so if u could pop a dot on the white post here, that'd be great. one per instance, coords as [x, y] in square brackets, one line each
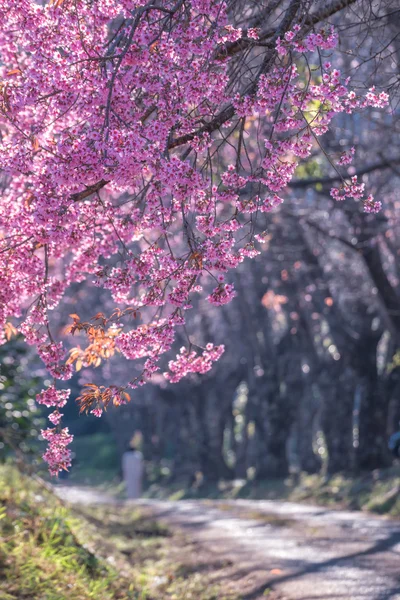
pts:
[132, 467]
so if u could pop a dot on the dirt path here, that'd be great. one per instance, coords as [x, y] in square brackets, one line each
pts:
[301, 552]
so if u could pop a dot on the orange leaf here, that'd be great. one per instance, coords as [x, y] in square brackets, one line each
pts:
[75, 317]
[35, 144]
[99, 315]
[10, 331]
[154, 47]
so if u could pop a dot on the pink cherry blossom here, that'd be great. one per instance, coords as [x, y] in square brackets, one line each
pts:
[53, 397]
[113, 175]
[57, 455]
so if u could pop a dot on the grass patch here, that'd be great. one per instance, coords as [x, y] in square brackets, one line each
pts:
[268, 518]
[377, 491]
[43, 551]
[49, 551]
[166, 564]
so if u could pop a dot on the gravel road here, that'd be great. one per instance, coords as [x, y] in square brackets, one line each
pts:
[302, 552]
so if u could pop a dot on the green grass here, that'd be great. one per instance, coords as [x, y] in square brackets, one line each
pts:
[166, 565]
[45, 552]
[378, 491]
[49, 551]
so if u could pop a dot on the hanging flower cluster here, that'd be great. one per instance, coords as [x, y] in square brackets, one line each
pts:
[112, 115]
[58, 456]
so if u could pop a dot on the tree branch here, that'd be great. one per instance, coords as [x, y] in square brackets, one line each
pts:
[91, 189]
[384, 164]
[232, 48]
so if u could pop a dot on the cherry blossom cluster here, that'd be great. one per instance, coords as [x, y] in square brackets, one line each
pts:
[53, 397]
[356, 191]
[347, 156]
[324, 40]
[191, 362]
[110, 115]
[58, 456]
[371, 205]
[222, 294]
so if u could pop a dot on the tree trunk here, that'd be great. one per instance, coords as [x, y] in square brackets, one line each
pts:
[394, 405]
[372, 452]
[337, 420]
[308, 460]
[273, 424]
[210, 415]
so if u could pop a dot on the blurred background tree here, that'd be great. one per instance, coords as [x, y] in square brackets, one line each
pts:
[20, 417]
[310, 380]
